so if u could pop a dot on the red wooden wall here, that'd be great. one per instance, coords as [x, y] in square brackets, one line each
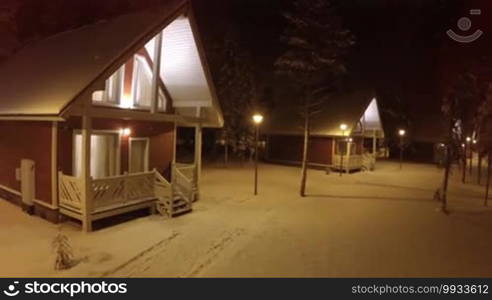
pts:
[29, 140]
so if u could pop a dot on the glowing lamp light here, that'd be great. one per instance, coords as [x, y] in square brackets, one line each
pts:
[402, 132]
[343, 127]
[475, 141]
[350, 140]
[126, 132]
[126, 101]
[468, 139]
[257, 119]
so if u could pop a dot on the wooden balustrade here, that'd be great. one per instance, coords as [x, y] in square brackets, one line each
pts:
[122, 189]
[71, 192]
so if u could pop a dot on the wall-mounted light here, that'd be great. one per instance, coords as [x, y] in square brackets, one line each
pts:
[125, 131]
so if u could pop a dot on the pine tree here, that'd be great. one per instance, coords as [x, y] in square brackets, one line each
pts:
[238, 92]
[63, 252]
[316, 45]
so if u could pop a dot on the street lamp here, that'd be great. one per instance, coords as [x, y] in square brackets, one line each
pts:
[343, 128]
[257, 119]
[402, 134]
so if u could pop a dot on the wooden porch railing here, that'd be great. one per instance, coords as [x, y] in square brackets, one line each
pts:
[122, 189]
[71, 192]
[184, 181]
[113, 193]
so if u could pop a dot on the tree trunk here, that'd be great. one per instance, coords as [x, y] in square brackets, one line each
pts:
[470, 165]
[479, 174]
[489, 161]
[447, 170]
[305, 150]
[226, 153]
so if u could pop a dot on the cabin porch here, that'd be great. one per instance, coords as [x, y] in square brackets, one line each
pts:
[95, 199]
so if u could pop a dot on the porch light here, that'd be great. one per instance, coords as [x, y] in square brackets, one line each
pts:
[258, 119]
[475, 141]
[402, 132]
[126, 132]
[468, 139]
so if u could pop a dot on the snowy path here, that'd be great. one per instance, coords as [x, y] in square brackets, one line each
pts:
[378, 224]
[367, 224]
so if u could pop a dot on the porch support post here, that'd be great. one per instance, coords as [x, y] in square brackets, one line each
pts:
[347, 169]
[374, 145]
[86, 173]
[198, 153]
[156, 70]
[54, 164]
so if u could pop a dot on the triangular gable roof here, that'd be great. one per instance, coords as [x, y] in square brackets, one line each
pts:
[45, 77]
[339, 108]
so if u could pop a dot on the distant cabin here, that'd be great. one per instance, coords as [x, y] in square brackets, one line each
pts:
[355, 148]
[88, 117]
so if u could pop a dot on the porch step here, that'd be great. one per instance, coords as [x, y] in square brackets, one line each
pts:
[181, 211]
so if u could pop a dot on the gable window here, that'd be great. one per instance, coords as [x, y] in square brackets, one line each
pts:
[113, 91]
[114, 87]
[142, 83]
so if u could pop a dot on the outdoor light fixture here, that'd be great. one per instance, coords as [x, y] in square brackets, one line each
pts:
[402, 132]
[475, 141]
[258, 119]
[126, 131]
[468, 139]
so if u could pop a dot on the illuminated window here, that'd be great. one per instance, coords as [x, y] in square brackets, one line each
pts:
[142, 83]
[114, 87]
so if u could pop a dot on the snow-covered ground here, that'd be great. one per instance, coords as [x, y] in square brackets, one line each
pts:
[382, 223]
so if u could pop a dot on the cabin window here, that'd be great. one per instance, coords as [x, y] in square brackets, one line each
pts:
[341, 148]
[142, 85]
[104, 155]
[114, 87]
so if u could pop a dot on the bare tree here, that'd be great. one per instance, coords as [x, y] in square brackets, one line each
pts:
[315, 43]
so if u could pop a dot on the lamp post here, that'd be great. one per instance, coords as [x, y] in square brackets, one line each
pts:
[343, 128]
[402, 134]
[257, 119]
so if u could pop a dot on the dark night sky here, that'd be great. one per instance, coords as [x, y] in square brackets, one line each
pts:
[402, 50]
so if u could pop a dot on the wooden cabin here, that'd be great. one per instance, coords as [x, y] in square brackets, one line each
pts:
[355, 148]
[88, 117]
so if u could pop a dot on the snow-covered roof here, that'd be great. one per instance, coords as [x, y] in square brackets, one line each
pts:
[340, 108]
[44, 77]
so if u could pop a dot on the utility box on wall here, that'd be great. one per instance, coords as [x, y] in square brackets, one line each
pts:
[28, 190]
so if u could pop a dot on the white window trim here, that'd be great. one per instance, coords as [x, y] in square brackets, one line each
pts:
[100, 132]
